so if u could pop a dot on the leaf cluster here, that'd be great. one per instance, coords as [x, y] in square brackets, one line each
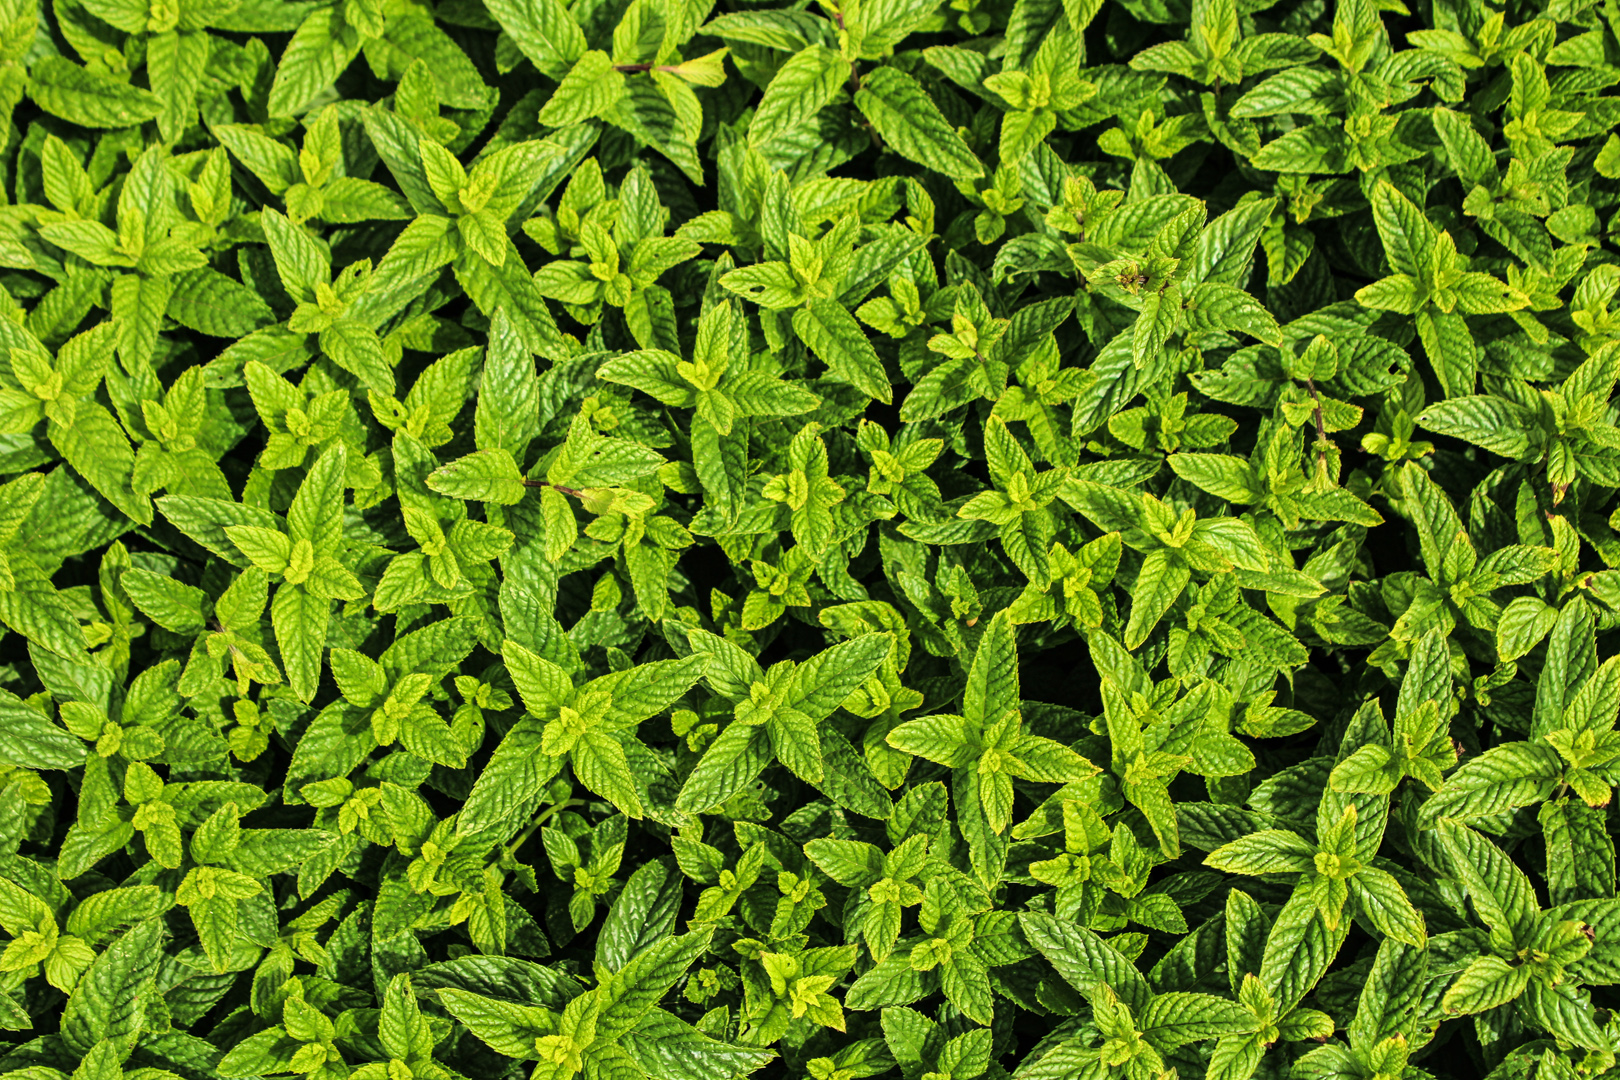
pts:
[922, 539]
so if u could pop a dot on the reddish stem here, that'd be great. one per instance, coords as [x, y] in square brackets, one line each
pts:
[575, 492]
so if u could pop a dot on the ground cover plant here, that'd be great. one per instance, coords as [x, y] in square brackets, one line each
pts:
[880, 538]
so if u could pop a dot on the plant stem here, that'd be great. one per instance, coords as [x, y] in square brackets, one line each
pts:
[540, 819]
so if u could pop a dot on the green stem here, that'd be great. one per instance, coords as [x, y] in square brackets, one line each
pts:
[545, 816]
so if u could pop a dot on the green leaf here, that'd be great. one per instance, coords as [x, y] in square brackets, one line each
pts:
[642, 915]
[100, 452]
[663, 1045]
[508, 407]
[484, 475]
[832, 334]
[1299, 949]
[1504, 777]
[321, 47]
[633, 991]
[29, 740]
[1501, 894]
[111, 998]
[801, 87]
[505, 1027]
[1496, 424]
[1270, 851]
[1177, 1018]
[88, 97]
[1485, 984]
[912, 126]
[545, 31]
[1084, 960]
[590, 89]
[730, 763]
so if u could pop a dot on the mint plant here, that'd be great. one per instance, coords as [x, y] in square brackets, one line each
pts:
[966, 540]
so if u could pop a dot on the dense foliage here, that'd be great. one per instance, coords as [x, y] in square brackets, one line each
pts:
[653, 540]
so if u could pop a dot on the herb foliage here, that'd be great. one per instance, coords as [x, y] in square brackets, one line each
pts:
[654, 540]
